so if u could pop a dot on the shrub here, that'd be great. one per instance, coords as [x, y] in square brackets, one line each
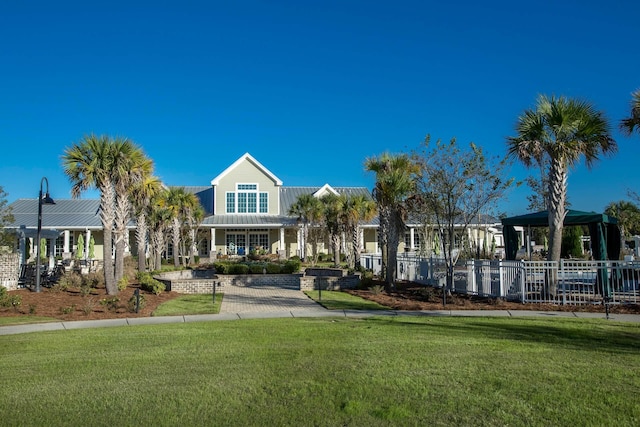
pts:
[237, 269]
[3, 293]
[149, 284]
[220, 267]
[60, 287]
[130, 267]
[427, 294]
[131, 304]
[376, 289]
[273, 268]
[291, 266]
[110, 303]
[68, 310]
[70, 280]
[32, 309]
[94, 280]
[256, 268]
[88, 306]
[123, 283]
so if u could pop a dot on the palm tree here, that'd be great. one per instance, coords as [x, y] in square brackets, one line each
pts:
[89, 164]
[632, 123]
[130, 167]
[193, 218]
[628, 216]
[357, 209]
[181, 204]
[160, 219]
[308, 210]
[141, 195]
[332, 208]
[562, 130]
[395, 181]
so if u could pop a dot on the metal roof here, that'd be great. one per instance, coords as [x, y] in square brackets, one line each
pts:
[66, 213]
[289, 195]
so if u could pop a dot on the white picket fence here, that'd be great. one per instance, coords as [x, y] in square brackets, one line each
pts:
[564, 282]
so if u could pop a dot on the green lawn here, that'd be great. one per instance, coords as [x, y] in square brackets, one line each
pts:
[17, 320]
[327, 372]
[190, 304]
[336, 300]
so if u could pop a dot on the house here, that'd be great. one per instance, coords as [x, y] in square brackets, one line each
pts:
[246, 207]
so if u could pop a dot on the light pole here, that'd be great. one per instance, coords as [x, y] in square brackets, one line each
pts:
[46, 200]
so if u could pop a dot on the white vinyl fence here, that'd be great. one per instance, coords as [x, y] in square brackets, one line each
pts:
[566, 282]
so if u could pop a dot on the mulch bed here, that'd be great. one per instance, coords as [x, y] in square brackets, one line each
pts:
[71, 305]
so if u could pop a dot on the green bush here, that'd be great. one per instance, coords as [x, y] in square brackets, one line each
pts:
[149, 284]
[70, 280]
[123, 283]
[131, 304]
[94, 280]
[237, 269]
[273, 268]
[256, 268]
[112, 303]
[220, 267]
[291, 266]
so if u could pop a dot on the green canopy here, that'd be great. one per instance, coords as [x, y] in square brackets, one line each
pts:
[604, 231]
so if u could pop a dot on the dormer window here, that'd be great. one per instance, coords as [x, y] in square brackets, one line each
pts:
[247, 199]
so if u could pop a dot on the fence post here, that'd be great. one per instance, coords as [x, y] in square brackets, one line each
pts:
[562, 282]
[523, 273]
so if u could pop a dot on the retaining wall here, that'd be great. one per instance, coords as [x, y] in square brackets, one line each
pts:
[9, 271]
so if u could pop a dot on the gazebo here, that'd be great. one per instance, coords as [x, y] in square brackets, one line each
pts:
[603, 229]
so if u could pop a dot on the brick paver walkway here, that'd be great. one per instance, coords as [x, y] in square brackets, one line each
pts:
[260, 299]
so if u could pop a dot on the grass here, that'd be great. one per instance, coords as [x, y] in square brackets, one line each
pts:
[19, 320]
[190, 304]
[327, 372]
[335, 300]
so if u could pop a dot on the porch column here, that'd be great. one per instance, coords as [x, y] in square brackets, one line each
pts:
[281, 242]
[86, 243]
[412, 238]
[212, 246]
[361, 240]
[65, 246]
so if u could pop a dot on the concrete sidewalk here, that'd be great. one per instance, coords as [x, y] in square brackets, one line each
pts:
[265, 302]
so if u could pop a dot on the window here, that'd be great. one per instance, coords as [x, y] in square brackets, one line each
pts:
[264, 202]
[259, 241]
[59, 246]
[231, 202]
[247, 199]
[236, 244]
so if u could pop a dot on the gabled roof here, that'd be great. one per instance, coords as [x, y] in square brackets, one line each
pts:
[289, 195]
[324, 190]
[248, 157]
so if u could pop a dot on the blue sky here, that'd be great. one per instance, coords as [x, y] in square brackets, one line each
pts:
[309, 88]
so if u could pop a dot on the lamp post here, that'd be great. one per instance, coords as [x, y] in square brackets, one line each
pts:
[46, 200]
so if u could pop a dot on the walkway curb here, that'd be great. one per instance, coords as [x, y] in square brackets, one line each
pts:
[299, 314]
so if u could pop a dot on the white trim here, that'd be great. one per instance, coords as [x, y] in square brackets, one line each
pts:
[215, 181]
[325, 189]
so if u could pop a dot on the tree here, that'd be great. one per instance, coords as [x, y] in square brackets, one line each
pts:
[563, 131]
[89, 164]
[111, 166]
[181, 205]
[160, 219]
[141, 195]
[130, 167]
[395, 182]
[7, 239]
[455, 186]
[632, 123]
[332, 217]
[628, 216]
[356, 209]
[572, 242]
[308, 210]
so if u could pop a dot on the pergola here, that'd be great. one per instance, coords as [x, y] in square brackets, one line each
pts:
[603, 229]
